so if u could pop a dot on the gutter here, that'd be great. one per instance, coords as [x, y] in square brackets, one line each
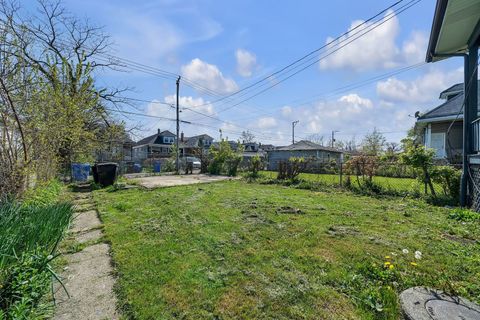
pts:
[440, 119]
[440, 9]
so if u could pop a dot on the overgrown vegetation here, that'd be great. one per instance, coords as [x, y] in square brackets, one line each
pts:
[52, 112]
[254, 251]
[224, 160]
[291, 169]
[30, 233]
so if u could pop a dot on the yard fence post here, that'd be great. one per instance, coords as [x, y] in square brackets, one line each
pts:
[340, 172]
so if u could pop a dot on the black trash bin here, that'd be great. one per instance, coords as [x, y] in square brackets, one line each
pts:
[105, 174]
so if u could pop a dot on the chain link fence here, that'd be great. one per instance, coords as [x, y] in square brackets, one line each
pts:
[391, 178]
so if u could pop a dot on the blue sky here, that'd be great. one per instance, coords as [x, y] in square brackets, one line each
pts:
[227, 45]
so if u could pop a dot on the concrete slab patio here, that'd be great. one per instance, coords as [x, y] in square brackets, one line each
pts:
[172, 180]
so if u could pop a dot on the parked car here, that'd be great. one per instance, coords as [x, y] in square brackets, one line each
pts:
[196, 162]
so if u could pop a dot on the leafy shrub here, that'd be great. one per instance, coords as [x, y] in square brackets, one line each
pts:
[43, 194]
[291, 169]
[224, 160]
[464, 215]
[24, 283]
[254, 166]
[449, 179]
[168, 166]
[363, 166]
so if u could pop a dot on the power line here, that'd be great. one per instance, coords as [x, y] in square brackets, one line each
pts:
[317, 60]
[268, 77]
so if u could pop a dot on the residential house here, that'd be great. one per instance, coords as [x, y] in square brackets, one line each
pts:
[191, 145]
[442, 127]
[456, 33]
[159, 145]
[315, 153]
[250, 150]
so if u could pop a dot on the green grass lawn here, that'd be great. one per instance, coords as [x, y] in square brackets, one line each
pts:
[407, 185]
[234, 250]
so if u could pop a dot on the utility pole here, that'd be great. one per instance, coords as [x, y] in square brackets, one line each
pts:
[177, 163]
[294, 123]
[333, 138]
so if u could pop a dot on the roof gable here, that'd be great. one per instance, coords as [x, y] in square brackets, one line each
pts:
[451, 108]
[153, 138]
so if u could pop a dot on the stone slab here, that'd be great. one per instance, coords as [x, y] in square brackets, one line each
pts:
[420, 303]
[173, 180]
[89, 282]
[85, 220]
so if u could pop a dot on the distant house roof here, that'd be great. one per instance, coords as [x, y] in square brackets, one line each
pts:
[194, 141]
[448, 110]
[151, 139]
[306, 145]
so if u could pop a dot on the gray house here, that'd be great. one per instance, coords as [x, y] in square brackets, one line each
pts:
[442, 126]
[313, 152]
[190, 145]
[158, 145]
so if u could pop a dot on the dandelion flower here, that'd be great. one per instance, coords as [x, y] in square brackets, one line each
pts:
[391, 267]
[418, 255]
[414, 264]
[405, 251]
[387, 257]
[387, 263]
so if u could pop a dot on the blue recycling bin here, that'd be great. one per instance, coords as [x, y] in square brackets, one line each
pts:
[157, 166]
[80, 172]
[137, 168]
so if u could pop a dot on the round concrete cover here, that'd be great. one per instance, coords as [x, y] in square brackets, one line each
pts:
[427, 304]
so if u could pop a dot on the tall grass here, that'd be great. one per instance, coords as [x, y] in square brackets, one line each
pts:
[30, 232]
[25, 228]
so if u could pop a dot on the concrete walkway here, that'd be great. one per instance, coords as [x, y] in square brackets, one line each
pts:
[89, 275]
[173, 180]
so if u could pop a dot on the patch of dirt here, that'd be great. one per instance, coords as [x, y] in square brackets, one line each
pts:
[289, 210]
[342, 231]
[459, 239]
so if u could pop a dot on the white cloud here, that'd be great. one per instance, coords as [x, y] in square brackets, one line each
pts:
[208, 76]
[246, 62]
[266, 122]
[286, 111]
[414, 48]
[197, 104]
[425, 88]
[375, 49]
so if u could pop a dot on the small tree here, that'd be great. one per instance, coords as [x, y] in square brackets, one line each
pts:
[373, 143]
[291, 169]
[255, 166]
[421, 158]
[224, 160]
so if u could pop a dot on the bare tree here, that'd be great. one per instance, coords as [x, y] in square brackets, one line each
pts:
[316, 138]
[247, 136]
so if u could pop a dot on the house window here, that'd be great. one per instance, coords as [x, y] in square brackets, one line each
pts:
[437, 142]
[168, 139]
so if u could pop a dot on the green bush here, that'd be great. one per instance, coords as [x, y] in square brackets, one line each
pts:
[224, 160]
[464, 215]
[291, 169]
[449, 179]
[254, 166]
[43, 194]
